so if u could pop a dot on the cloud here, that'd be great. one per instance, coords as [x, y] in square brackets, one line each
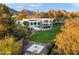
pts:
[20, 7]
[75, 4]
[15, 6]
[71, 10]
[35, 5]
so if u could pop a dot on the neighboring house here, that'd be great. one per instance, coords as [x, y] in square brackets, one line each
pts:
[38, 23]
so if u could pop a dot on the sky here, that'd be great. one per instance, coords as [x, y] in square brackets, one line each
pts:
[71, 7]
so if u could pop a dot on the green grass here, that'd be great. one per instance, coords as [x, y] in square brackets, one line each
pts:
[45, 36]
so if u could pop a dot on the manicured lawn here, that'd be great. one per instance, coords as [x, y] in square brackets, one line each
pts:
[46, 36]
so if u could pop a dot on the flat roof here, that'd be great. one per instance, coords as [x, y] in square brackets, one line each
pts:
[39, 19]
[35, 47]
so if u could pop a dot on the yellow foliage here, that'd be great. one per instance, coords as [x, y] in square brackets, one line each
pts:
[22, 14]
[68, 40]
[2, 27]
[9, 46]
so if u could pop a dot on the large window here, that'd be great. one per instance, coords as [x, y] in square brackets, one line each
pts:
[38, 23]
[31, 23]
[34, 23]
[46, 21]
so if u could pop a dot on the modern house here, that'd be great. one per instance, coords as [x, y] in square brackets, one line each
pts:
[38, 23]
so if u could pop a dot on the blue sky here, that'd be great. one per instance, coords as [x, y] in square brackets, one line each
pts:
[45, 6]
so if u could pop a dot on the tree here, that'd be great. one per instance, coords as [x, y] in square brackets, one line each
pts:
[39, 15]
[67, 42]
[75, 15]
[9, 46]
[58, 14]
[51, 14]
[9, 27]
[26, 23]
[22, 14]
[4, 15]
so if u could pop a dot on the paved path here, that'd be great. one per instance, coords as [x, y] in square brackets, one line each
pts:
[33, 32]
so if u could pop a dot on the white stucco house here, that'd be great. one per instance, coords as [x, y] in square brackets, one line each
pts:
[38, 23]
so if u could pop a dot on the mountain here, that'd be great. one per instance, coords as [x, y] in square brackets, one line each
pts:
[28, 12]
[12, 11]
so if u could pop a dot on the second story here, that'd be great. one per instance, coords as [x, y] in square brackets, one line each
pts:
[37, 21]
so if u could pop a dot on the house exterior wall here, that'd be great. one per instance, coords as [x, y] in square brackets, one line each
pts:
[38, 22]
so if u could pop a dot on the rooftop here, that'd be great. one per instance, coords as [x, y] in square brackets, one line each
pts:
[35, 47]
[40, 19]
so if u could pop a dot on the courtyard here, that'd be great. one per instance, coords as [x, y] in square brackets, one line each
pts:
[45, 36]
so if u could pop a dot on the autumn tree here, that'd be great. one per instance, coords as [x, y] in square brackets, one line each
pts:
[39, 14]
[8, 46]
[22, 14]
[67, 41]
[8, 27]
[75, 15]
[4, 15]
[58, 14]
[51, 14]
